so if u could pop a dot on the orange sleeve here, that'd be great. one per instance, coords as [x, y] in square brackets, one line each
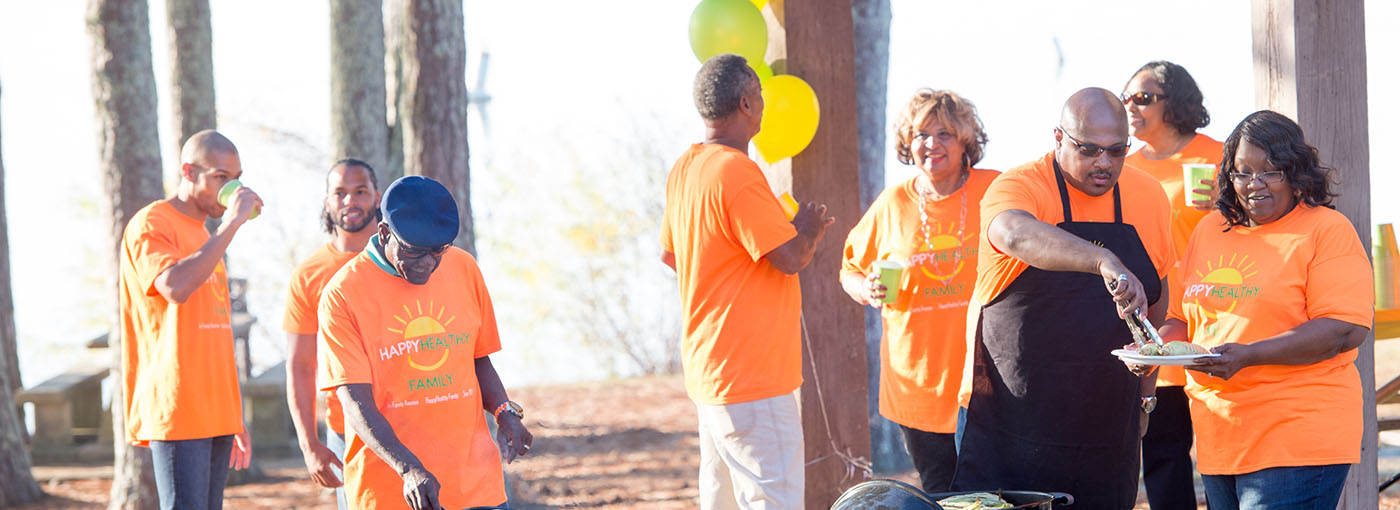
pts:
[666, 242]
[489, 339]
[863, 242]
[1010, 191]
[300, 315]
[152, 251]
[1339, 284]
[1161, 247]
[343, 359]
[756, 218]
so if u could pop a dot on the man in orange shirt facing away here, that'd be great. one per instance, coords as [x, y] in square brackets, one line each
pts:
[736, 258]
[406, 328]
[1071, 243]
[351, 207]
[180, 381]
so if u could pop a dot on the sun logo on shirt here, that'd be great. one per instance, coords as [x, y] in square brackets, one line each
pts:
[944, 254]
[1225, 279]
[219, 279]
[423, 324]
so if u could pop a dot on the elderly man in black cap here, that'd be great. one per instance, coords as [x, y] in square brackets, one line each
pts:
[406, 329]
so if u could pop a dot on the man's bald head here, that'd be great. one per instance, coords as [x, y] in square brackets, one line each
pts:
[208, 160]
[1092, 140]
[1094, 110]
[203, 145]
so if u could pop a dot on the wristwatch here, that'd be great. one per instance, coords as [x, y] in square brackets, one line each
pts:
[509, 406]
[1148, 404]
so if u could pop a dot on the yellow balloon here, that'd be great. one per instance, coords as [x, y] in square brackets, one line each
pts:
[790, 117]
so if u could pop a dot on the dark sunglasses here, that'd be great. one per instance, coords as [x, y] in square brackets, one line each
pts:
[1092, 150]
[1142, 98]
[408, 251]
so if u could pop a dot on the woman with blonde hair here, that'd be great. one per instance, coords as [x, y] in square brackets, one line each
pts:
[929, 224]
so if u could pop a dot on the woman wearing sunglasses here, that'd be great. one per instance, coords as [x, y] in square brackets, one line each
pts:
[929, 223]
[1277, 283]
[1165, 109]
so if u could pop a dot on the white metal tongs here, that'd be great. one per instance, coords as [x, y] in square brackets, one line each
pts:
[1142, 329]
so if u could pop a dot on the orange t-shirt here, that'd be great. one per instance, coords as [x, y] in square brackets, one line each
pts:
[1031, 188]
[303, 294]
[379, 329]
[178, 368]
[923, 350]
[1201, 149]
[1252, 283]
[741, 339]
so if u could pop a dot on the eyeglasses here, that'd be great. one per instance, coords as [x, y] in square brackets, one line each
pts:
[1141, 98]
[408, 251]
[942, 137]
[1245, 178]
[1092, 150]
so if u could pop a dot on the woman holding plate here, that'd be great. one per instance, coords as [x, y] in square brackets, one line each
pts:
[1277, 283]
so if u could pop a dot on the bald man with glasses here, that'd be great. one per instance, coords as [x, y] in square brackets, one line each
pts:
[1070, 244]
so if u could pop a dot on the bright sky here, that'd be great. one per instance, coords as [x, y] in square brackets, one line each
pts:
[566, 78]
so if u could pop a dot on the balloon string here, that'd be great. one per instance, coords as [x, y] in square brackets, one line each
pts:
[855, 465]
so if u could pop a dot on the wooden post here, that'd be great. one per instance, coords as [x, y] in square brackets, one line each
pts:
[818, 39]
[1310, 64]
[871, 21]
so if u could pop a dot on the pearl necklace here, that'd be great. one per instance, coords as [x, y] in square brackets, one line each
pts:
[925, 230]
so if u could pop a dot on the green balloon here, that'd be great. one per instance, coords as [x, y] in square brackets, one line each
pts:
[728, 26]
[761, 69]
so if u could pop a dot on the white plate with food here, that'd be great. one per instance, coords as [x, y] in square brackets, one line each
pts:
[1173, 353]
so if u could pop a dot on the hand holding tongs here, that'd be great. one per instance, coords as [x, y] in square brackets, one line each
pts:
[1142, 329]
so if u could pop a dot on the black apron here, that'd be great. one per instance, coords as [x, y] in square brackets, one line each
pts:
[1051, 409]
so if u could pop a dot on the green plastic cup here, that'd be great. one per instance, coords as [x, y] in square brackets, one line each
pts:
[226, 196]
[891, 273]
[1191, 175]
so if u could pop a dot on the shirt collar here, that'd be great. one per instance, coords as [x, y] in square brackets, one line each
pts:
[376, 253]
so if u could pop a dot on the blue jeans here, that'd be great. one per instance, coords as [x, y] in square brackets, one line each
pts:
[1292, 488]
[191, 473]
[336, 443]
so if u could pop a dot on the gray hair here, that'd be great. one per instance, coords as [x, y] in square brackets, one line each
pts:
[719, 85]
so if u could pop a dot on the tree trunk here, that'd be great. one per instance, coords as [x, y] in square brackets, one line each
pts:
[435, 89]
[191, 75]
[191, 69]
[819, 44]
[395, 102]
[17, 485]
[124, 97]
[871, 24]
[9, 341]
[358, 125]
[1310, 64]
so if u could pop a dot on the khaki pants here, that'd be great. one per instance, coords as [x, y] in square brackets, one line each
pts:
[751, 455]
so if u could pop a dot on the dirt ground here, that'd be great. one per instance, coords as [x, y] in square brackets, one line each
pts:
[618, 445]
